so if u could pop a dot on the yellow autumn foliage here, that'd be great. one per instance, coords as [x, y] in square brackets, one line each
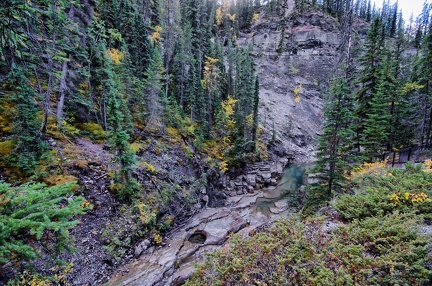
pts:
[376, 168]
[228, 107]
[136, 147]
[297, 90]
[158, 238]
[155, 37]
[427, 166]
[410, 86]
[211, 72]
[255, 18]
[149, 167]
[407, 198]
[115, 55]
[218, 16]
[146, 215]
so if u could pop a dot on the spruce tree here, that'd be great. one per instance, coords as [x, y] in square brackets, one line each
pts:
[371, 62]
[30, 146]
[36, 212]
[119, 124]
[153, 95]
[334, 150]
[424, 77]
[376, 129]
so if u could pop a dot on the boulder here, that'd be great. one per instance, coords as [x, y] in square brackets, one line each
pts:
[205, 198]
[250, 189]
[251, 179]
[141, 247]
[266, 177]
[279, 207]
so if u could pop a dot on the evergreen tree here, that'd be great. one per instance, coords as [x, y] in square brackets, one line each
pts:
[153, 92]
[119, 124]
[30, 146]
[424, 76]
[334, 150]
[376, 129]
[371, 62]
[35, 211]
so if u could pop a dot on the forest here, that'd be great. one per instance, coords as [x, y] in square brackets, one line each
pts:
[143, 81]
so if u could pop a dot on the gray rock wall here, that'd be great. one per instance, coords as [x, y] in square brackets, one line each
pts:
[312, 51]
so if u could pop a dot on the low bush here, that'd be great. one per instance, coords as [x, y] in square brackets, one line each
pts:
[386, 190]
[385, 250]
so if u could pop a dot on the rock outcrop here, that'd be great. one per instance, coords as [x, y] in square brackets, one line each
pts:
[295, 57]
[256, 176]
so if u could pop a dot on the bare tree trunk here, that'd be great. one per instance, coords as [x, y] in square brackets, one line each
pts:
[63, 88]
[422, 126]
[47, 96]
[423, 122]
[63, 83]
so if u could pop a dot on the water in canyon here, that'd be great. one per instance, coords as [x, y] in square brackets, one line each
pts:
[209, 229]
[287, 194]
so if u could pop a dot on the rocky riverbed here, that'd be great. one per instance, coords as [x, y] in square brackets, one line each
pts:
[173, 261]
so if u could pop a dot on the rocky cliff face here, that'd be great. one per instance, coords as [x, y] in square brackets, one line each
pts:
[295, 56]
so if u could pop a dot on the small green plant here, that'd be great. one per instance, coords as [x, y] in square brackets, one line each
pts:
[36, 212]
[293, 70]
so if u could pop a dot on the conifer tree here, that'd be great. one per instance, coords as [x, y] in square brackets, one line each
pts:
[424, 77]
[334, 150]
[370, 72]
[376, 129]
[119, 124]
[35, 211]
[30, 146]
[153, 92]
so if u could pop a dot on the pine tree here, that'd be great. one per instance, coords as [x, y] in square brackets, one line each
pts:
[255, 114]
[35, 211]
[30, 146]
[334, 150]
[376, 129]
[424, 77]
[153, 92]
[119, 124]
[370, 72]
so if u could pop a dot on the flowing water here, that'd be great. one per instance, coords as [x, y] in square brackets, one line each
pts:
[286, 195]
[209, 229]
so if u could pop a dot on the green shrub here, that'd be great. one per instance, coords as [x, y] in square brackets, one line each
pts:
[384, 192]
[385, 250]
[94, 130]
[36, 212]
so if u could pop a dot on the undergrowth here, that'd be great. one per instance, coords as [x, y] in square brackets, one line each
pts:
[384, 250]
[377, 242]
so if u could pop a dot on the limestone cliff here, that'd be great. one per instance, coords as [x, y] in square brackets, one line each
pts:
[295, 56]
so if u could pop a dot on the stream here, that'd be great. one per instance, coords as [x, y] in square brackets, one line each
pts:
[208, 230]
[285, 193]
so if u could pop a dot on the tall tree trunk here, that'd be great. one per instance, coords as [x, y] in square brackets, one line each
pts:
[428, 132]
[63, 88]
[47, 99]
[423, 124]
